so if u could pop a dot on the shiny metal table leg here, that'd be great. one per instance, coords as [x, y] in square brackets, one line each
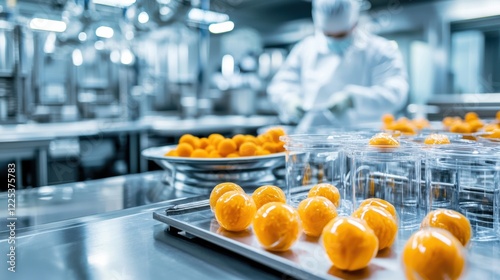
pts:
[41, 163]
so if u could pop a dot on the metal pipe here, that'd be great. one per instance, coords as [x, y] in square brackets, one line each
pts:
[203, 104]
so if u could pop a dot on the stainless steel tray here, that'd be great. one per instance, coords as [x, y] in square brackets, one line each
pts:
[307, 259]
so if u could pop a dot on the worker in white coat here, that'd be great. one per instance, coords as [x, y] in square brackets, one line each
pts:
[356, 77]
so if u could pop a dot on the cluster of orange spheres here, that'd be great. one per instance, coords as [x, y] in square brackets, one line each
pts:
[404, 125]
[350, 242]
[436, 251]
[217, 146]
[471, 123]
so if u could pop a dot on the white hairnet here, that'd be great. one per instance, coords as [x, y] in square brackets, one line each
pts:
[335, 16]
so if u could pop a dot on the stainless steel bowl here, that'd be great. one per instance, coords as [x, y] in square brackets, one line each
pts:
[200, 175]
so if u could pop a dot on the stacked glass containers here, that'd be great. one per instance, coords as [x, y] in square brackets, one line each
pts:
[391, 173]
[465, 178]
[315, 159]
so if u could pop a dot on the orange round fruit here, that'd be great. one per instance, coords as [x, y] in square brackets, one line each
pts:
[172, 153]
[275, 133]
[387, 118]
[214, 154]
[184, 149]
[404, 127]
[471, 116]
[239, 139]
[266, 194]
[380, 203]
[326, 190]
[383, 139]
[247, 149]
[199, 153]
[461, 128]
[191, 140]
[436, 139]
[433, 253]
[204, 143]
[215, 138]
[349, 243]
[221, 189]
[315, 212]
[381, 222]
[450, 220]
[276, 226]
[234, 211]
[262, 152]
[226, 147]
[498, 115]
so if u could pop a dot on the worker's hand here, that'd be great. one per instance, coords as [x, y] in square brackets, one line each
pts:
[339, 102]
[292, 111]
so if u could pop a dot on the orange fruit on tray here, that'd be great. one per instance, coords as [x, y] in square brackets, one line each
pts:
[461, 127]
[184, 149]
[452, 221]
[276, 226]
[234, 211]
[498, 115]
[226, 147]
[199, 153]
[433, 253]
[191, 140]
[248, 149]
[380, 203]
[388, 118]
[349, 243]
[315, 212]
[381, 222]
[436, 139]
[471, 116]
[383, 139]
[221, 189]
[266, 194]
[326, 190]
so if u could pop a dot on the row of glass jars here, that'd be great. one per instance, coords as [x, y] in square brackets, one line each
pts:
[414, 177]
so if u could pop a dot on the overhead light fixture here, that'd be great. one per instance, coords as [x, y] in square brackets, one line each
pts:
[127, 57]
[47, 25]
[143, 17]
[115, 3]
[221, 27]
[207, 17]
[77, 57]
[82, 36]
[104, 32]
[50, 43]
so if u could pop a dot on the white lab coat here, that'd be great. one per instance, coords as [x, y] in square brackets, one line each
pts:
[371, 71]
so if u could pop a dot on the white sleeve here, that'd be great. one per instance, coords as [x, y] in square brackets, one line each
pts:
[389, 90]
[285, 87]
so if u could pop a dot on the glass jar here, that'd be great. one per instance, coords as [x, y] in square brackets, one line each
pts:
[316, 159]
[389, 173]
[465, 178]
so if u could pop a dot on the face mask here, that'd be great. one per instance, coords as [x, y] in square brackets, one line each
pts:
[339, 46]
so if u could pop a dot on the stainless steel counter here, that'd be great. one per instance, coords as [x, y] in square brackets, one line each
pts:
[48, 204]
[125, 244]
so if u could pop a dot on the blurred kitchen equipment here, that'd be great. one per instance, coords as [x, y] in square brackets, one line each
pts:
[15, 61]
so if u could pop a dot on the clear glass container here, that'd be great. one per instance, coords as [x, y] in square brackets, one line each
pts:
[315, 159]
[465, 178]
[391, 173]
